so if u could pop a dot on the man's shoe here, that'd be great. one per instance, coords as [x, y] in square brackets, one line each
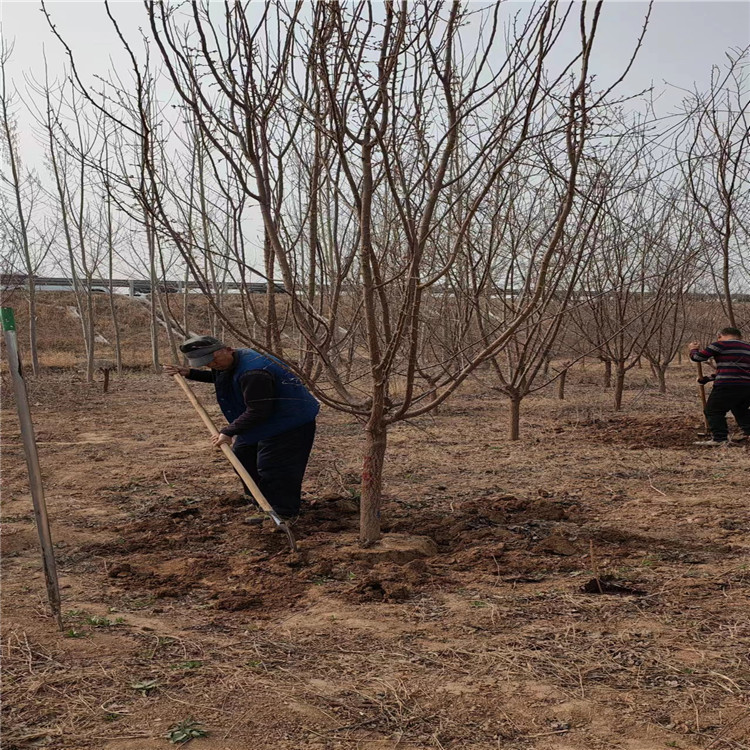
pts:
[708, 443]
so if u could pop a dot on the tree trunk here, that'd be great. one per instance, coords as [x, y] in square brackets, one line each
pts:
[185, 310]
[111, 267]
[11, 143]
[725, 271]
[273, 334]
[619, 385]
[32, 327]
[372, 480]
[112, 303]
[166, 315]
[515, 417]
[91, 332]
[153, 285]
[607, 373]
[350, 358]
[116, 327]
[661, 374]
[561, 385]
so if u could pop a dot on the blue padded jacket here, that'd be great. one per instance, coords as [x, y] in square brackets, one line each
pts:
[294, 405]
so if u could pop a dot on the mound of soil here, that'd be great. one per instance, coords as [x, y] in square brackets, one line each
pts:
[486, 520]
[643, 432]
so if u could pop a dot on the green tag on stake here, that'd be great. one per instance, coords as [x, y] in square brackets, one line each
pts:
[9, 320]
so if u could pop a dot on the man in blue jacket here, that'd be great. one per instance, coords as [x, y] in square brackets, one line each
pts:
[271, 416]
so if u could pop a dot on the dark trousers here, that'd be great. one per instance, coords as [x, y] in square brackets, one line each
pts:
[277, 466]
[725, 398]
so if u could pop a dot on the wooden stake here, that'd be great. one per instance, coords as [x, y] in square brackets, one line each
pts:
[32, 462]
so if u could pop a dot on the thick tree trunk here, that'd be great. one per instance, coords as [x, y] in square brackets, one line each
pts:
[372, 481]
[619, 385]
[607, 373]
[375, 430]
[661, 375]
[515, 418]
[561, 385]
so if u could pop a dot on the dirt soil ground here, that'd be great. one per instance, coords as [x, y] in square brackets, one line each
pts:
[588, 587]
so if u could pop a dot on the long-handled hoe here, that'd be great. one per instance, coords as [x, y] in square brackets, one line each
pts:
[702, 388]
[238, 467]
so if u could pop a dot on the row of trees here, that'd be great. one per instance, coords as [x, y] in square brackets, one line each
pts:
[437, 187]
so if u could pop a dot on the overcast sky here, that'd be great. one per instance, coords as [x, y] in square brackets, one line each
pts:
[683, 42]
[684, 39]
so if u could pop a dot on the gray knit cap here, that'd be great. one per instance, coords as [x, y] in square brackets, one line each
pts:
[200, 349]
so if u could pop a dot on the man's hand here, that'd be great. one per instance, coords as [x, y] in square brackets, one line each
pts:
[707, 379]
[694, 345]
[221, 439]
[175, 370]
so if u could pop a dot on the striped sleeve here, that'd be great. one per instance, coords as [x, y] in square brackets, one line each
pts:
[732, 358]
[701, 355]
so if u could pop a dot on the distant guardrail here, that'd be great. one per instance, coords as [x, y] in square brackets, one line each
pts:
[9, 281]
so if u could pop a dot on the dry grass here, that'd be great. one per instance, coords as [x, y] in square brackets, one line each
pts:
[493, 643]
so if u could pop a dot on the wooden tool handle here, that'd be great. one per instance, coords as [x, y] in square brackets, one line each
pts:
[226, 450]
[702, 385]
[702, 389]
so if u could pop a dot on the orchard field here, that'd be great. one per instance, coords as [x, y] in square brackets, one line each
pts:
[482, 235]
[585, 587]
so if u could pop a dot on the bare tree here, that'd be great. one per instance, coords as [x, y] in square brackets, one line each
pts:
[27, 241]
[632, 287]
[111, 231]
[717, 166]
[380, 109]
[71, 142]
[520, 226]
[676, 247]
